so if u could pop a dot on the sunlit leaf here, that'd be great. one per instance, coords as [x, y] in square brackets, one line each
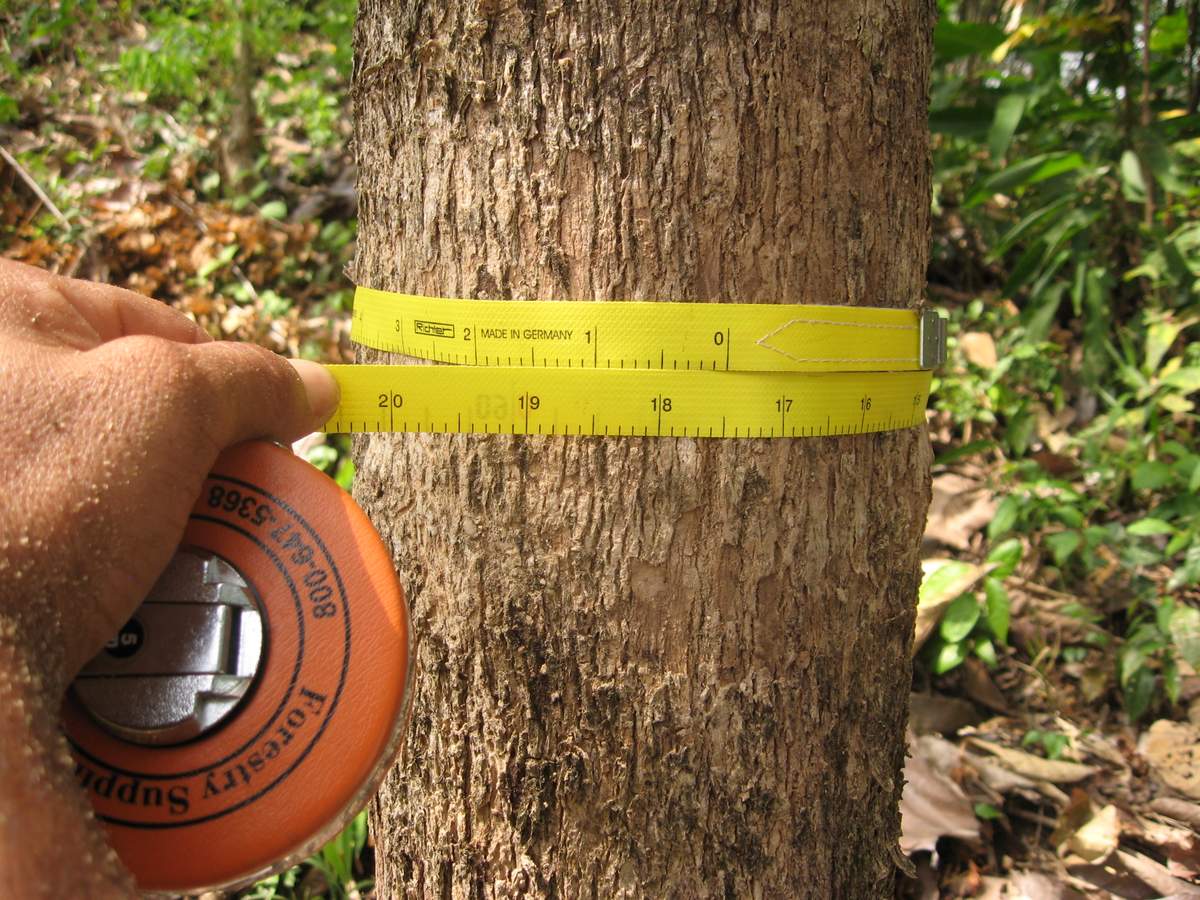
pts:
[997, 608]
[1149, 526]
[1132, 182]
[1004, 518]
[948, 657]
[1028, 171]
[1185, 632]
[959, 618]
[1006, 556]
[986, 651]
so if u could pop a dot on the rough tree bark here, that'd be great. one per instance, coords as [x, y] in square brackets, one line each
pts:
[647, 668]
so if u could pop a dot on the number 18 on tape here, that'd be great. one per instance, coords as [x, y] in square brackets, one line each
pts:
[255, 700]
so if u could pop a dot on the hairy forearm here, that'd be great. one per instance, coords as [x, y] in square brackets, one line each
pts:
[50, 843]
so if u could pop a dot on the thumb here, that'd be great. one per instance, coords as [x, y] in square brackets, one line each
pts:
[251, 392]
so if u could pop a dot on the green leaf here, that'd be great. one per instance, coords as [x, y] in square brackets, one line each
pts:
[1006, 556]
[1169, 34]
[1133, 659]
[1172, 682]
[275, 209]
[1054, 744]
[1160, 335]
[1151, 475]
[1062, 544]
[959, 618]
[1189, 572]
[986, 811]
[1005, 517]
[222, 259]
[1149, 526]
[1185, 632]
[1186, 379]
[1138, 692]
[963, 451]
[997, 604]
[949, 575]
[1033, 220]
[1161, 161]
[1133, 185]
[1069, 516]
[1177, 543]
[1022, 425]
[948, 657]
[1008, 116]
[1162, 616]
[1029, 171]
[953, 40]
[972, 122]
[986, 651]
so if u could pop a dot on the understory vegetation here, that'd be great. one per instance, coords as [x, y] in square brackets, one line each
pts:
[198, 151]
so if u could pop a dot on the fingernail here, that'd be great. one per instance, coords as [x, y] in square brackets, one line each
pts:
[321, 387]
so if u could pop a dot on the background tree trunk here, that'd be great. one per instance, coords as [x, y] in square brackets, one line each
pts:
[647, 668]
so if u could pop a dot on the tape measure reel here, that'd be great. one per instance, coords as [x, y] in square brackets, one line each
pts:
[255, 700]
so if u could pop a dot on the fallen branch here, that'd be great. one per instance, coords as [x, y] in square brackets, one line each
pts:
[35, 187]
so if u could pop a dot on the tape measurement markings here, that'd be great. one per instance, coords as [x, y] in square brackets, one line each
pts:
[618, 403]
[751, 337]
[660, 369]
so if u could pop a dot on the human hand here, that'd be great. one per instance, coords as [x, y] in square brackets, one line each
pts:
[113, 409]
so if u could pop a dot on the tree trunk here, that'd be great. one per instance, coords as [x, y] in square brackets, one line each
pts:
[647, 667]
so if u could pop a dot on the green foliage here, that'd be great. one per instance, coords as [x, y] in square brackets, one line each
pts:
[975, 622]
[1052, 743]
[337, 865]
[1161, 634]
[332, 456]
[1070, 170]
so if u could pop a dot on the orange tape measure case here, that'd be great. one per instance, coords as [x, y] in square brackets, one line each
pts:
[292, 610]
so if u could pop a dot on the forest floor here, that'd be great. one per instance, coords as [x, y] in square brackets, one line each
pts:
[1028, 775]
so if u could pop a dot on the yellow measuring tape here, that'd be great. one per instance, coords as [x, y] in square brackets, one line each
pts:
[636, 368]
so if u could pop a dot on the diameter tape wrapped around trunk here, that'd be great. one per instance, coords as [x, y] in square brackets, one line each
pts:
[636, 368]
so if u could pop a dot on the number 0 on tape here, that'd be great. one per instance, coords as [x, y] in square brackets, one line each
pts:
[255, 700]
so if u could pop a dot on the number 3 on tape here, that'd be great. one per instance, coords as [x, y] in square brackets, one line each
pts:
[255, 700]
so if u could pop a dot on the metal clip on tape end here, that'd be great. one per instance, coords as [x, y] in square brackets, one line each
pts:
[933, 339]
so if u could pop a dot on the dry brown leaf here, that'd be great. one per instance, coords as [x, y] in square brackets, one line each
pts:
[936, 713]
[1112, 881]
[1056, 771]
[1037, 886]
[1099, 836]
[932, 806]
[979, 348]
[980, 687]
[1173, 751]
[1180, 810]
[1156, 875]
[959, 508]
